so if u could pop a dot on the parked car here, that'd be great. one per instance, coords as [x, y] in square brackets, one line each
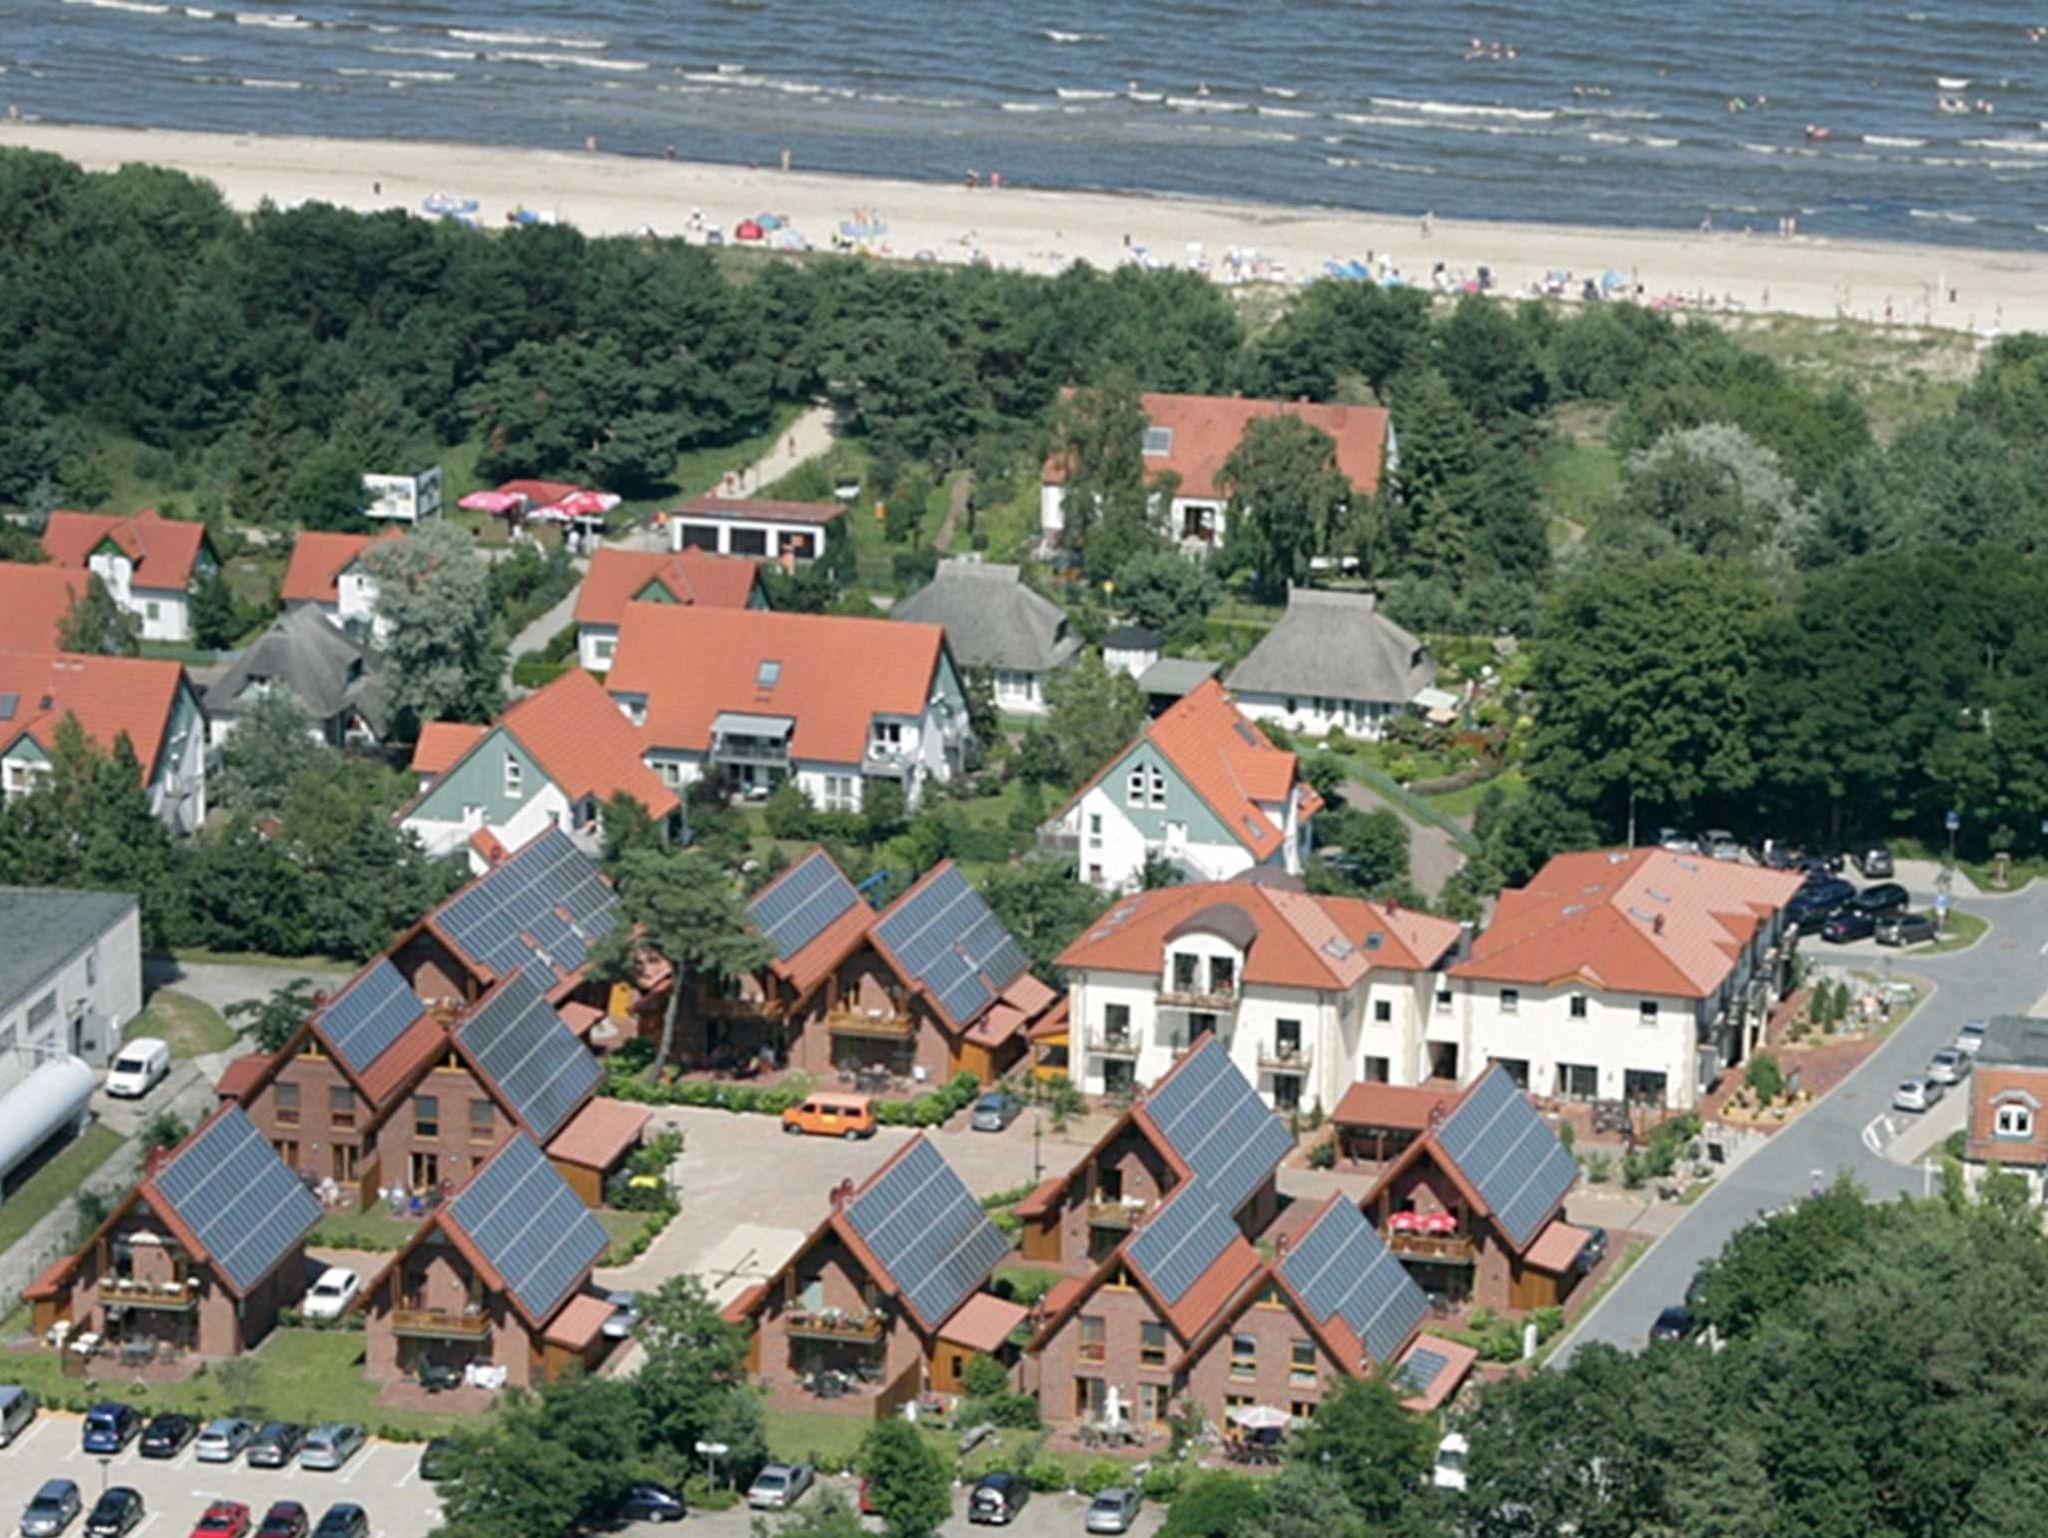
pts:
[109, 1427]
[1846, 924]
[436, 1459]
[1971, 1037]
[223, 1519]
[275, 1445]
[343, 1520]
[1675, 1323]
[1449, 1470]
[331, 1445]
[1885, 897]
[144, 1063]
[166, 1435]
[1916, 1095]
[1808, 907]
[997, 1498]
[1720, 844]
[1677, 840]
[1594, 1250]
[650, 1502]
[832, 1115]
[51, 1509]
[1907, 928]
[1948, 1066]
[223, 1440]
[624, 1316]
[1777, 854]
[115, 1514]
[1874, 860]
[1114, 1510]
[996, 1110]
[780, 1486]
[285, 1519]
[17, 1412]
[331, 1295]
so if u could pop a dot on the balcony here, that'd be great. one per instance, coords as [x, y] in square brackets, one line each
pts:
[720, 1008]
[180, 1297]
[1442, 1249]
[1117, 1215]
[1176, 996]
[888, 1026]
[750, 750]
[833, 1324]
[1053, 841]
[1116, 1044]
[1284, 1057]
[888, 758]
[440, 1324]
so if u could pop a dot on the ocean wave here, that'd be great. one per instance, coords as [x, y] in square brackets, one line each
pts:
[427, 75]
[581, 61]
[1293, 112]
[1656, 143]
[1953, 82]
[1206, 104]
[1280, 90]
[1148, 97]
[524, 39]
[1073, 37]
[1943, 217]
[1628, 114]
[1403, 168]
[137, 6]
[197, 13]
[1600, 138]
[258, 83]
[1029, 106]
[2024, 146]
[400, 51]
[1077, 93]
[1465, 109]
[1894, 142]
[283, 21]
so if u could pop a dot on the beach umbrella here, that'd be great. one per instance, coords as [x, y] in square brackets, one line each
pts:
[492, 501]
[1261, 1417]
[584, 504]
[1611, 280]
[768, 221]
[747, 230]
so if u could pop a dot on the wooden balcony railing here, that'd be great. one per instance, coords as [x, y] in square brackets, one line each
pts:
[853, 1022]
[440, 1323]
[721, 1008]
[833, 1324]
[1115, 1214]
[171, 1297]
[1453, 1249]
[1176, 997]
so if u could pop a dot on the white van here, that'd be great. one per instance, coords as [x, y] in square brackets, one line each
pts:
[17, 1412]
[142, 1065]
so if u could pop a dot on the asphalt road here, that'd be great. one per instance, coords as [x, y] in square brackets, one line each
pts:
[2004, 973]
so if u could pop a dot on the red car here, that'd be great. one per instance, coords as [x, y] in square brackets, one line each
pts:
[285, 1519]
[223, 1519]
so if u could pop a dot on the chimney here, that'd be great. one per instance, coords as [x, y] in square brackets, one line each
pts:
[1281, 1244]
[319, 997]
[841, 1194]
[1656, 923]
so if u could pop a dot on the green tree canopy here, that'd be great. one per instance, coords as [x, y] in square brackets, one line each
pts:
[1096, 711]
[443, 647]
[97, 625]
[1286, 499]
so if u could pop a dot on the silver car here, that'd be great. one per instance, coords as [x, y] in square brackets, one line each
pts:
[1114, 1510]
[54, 1508]
[331, 1445]
[1948, 1065]
[780, 1486]
[223, 1440]
[1916, 1095]
[1970, 1039]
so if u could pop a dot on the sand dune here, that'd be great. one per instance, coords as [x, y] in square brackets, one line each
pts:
[1044, 231]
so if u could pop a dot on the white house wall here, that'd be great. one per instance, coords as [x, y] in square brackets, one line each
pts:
[1611, 1037]
[1312, 716]
[85, 1004]
[595, 647]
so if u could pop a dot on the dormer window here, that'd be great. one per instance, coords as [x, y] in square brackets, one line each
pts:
[1158, 442]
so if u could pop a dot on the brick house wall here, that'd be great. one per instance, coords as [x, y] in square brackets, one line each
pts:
[862, 983]
[215, 1326]
[1217, 1380]
[434, 971]
[304, 1120]
[468, 1126]
[830, 1276]
[1069, 1359]
[2023, 1094]
[1130, 1166]
[1429, 1189]
[435, 1276]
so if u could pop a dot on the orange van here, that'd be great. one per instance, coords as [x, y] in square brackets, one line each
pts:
[825, 1115]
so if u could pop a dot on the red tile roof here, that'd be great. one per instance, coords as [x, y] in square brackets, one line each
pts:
[836, 673]
[1227, 761]
[1207, 428]
[1457, 1361]
[983, 1322]
[760, 509]
[318, 560]
[109, 695]
[35, 601]
[1299, 941]
[241, 1075]
[418, 1047]
[577, 1322]
[598, 1134]
[580, 740]
[1404, 1107]
[1632, 921]
[617, 577]
[442, 744]
[164, 550]
[1557, 1247]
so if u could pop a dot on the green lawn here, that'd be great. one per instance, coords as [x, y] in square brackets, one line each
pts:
[376, 1229]
[201, 955]
[1463, 803]
[700, 470]
[60, 1176]
[183, 1023]
[814, 1436]
[298, 1375]
[1963, 931]
[1578, 476]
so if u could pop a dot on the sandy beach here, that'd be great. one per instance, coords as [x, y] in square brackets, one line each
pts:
[1976, 290]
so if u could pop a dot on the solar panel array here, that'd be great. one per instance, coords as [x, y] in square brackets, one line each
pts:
[1218, 1125]
[928, 1232]
[369, 1015]
[530, 1226]
[1421, 1369]
[949, 939]
[798, 908]
[241, 1201]
[515, 915]
[516, 1037]
[1182, 1240]
[1512, 1158]
[1342, 1270]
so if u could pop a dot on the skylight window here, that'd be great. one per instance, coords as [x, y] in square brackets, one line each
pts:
[768, 674]
[1158, 442]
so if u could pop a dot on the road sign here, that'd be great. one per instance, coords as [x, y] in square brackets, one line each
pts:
[1941, 902]
[1954, 820]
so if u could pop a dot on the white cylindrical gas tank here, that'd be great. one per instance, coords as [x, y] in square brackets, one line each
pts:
[48, 1101]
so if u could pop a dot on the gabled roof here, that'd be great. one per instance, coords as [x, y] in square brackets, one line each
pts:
[535, 1066]
[1633, 921]
[834, 674]
[442, 745]
[1204, 430]
[574, 731]
[991, 618]
[598, 1134]
[540, 907]
[522, 1228]
[1299, 941]
[1336, 645]
[164, 551]
[760, 509]
[108, 695]
[814, 917]
[942, 937]
[1227, 761]
[618, 577]
[1505, 1160]
[313, 575]
[325, 670]
[35, 601]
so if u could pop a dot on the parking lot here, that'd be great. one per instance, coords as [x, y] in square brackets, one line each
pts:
[383, 1479]
[1045, 1516]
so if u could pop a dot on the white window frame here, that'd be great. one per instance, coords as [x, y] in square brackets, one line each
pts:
[841, 794]
[515, 778]
[1581, 1006]
[1156, 779]
[1134, 787]
[2013, 1119]
[1647, 1012]
[1511, 1001]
